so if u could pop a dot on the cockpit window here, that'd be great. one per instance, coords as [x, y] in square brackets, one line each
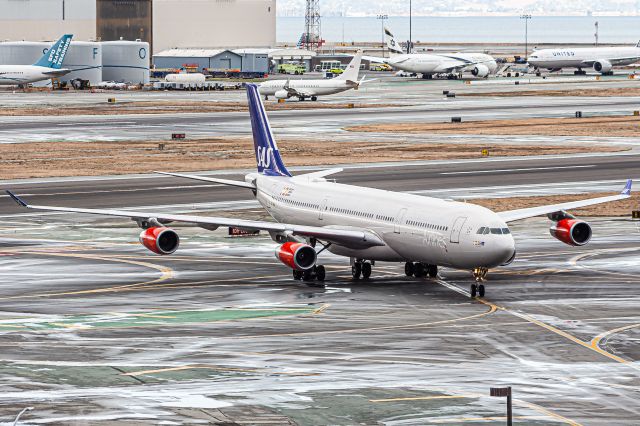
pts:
[506, 231]
[481, 230]
[486, 230]
[496, 231]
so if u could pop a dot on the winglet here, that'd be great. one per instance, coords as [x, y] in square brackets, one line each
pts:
[627, 188]
[17, 199]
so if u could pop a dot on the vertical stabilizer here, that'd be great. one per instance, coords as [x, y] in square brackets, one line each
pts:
[353, 69]
[392, 44]
[54, 57]
[267, 155]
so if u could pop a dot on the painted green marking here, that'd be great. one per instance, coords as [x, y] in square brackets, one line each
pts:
[159, 318]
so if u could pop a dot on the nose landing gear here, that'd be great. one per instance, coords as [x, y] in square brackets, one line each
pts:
[476, 288]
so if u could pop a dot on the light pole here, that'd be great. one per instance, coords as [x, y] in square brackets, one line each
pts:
[382, 18]
[410, 47]
[526, 18]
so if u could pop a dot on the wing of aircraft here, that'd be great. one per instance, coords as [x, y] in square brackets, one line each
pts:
[297, 92]
[613, 61]
[513, 215]
[454, 64]
[347, 236]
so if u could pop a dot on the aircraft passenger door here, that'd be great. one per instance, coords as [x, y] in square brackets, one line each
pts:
[455, 230]
[323, 207]
[398, 220]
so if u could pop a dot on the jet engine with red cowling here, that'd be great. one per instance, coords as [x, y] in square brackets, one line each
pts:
[160, 240]
[297, 256]
[569, 230]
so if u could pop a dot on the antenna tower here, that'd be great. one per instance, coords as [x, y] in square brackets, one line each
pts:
[311, 38]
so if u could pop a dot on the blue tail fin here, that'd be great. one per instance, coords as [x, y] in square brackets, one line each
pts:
[267, 154]
[53, 57]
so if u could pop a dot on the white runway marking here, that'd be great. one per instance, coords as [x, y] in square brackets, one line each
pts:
[470, 172]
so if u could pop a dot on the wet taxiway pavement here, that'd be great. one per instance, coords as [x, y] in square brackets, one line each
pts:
[96, 330]
[399, 100]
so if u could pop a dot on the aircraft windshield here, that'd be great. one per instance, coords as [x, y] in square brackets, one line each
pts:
[484, 230]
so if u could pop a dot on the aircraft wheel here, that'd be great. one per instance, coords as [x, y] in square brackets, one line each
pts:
[297, 275]
[433, 271]
[481, 290]
[321, 273]
[314, 98]
[474, 290]
[307, 275]
[366, 270]
[419, 270]
[356, 270]
[408, 269]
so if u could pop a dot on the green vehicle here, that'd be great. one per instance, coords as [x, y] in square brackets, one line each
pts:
[291, 69]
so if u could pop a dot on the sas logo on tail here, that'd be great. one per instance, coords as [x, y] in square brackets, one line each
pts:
[264, 156]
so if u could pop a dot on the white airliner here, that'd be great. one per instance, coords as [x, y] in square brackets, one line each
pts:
[430, 64]
[303, 89]
[365, 224]
[48, 66]
[600, 59]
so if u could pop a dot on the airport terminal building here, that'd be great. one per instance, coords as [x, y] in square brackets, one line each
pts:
[164, 24]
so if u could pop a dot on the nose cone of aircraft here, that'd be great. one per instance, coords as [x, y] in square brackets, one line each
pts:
[505, 251]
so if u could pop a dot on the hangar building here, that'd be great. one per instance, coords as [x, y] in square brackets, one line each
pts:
[164, 24]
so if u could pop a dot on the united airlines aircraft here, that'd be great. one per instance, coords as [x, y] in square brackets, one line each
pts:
[312, 214]
[48, 66]
[600, 59]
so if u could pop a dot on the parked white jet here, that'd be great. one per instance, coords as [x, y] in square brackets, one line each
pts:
[303, 89]
[430, 64]
[365, 224]
[47, 67]
[601, 59]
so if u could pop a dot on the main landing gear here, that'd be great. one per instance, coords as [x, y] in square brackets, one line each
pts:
[477, 289]
[361, 268]
[317, 273]
[420, 270]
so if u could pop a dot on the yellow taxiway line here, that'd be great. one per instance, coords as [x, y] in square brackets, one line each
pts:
[595, 342]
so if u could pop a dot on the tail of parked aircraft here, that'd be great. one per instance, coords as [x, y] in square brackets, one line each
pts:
[351, 72]
[54, 57]
[392, 44]
[267, 154]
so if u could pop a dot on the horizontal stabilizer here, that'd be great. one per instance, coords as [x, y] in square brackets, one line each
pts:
[210, 179]
[320, 174]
